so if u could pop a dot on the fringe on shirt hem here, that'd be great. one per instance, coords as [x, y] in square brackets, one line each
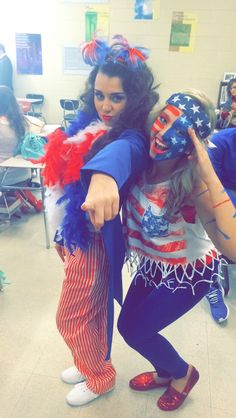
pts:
[143, 267]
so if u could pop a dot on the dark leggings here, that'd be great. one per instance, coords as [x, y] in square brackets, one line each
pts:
[149, 309]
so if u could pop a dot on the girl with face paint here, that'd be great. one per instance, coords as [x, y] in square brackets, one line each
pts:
[177, 219]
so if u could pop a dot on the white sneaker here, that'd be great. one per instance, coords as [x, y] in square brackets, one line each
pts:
[81, 395]
[72, 376]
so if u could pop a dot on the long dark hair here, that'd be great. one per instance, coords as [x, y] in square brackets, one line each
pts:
[229, 85]
[10, 108]
[141, 97]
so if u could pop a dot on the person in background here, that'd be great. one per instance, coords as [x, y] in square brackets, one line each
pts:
[118, 97]
[227, 116]
[13, 127]
[222, 152]
[5, 68]
[177, 220]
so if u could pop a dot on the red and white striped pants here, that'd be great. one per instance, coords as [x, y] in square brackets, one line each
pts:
[82, 314]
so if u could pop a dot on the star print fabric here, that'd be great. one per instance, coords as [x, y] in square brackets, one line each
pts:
[195, 114]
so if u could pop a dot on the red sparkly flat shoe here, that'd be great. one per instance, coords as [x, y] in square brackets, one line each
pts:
[172, 399]
[146, 381]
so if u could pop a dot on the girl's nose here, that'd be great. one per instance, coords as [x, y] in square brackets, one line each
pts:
[106, 106]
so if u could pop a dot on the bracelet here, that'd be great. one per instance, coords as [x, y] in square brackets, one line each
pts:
[221, 203]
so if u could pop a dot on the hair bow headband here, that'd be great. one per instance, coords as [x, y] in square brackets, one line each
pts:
[98, 52]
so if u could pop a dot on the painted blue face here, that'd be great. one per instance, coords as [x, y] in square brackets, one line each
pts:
[169, 134]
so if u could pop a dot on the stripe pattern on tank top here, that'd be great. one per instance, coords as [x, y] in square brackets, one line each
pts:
[172, 245]
[155, 244]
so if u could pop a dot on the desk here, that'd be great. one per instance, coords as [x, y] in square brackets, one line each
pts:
[31, 101]
[25, 104]
[19, 162]
[48, 129]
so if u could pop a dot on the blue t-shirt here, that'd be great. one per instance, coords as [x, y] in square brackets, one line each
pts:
[223, 156]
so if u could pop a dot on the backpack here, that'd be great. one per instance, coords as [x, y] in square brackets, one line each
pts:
[32, 146]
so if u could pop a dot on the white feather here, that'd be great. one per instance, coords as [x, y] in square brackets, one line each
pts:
[55, 212]
[92, 128]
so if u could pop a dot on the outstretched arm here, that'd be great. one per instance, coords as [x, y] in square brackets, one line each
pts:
[102, 201]
[213, 205]
[110, 172]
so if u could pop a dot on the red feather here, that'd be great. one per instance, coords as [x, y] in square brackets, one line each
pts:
[63, 159]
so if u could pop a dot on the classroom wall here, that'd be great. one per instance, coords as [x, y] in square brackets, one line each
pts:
[62, 23]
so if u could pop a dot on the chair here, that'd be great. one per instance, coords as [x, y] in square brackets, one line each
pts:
[37, 107]
[222, 94]
[25, 106]
[69, 107]
[19, 196]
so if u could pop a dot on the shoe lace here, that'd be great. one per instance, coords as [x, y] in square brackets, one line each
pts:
[213, 296]
[83, 386]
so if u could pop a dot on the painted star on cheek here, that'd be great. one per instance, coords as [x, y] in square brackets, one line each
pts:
[199, 122]
[184, 119]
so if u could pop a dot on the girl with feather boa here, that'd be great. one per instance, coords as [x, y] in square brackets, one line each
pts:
[118, 97]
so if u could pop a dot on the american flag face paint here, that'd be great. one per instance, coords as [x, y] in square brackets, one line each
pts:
[169, 134]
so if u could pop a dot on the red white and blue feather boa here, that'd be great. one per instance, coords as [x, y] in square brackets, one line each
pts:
[63, 160]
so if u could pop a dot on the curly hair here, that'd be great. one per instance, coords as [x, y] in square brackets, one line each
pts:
[10, 108]
[141, 97]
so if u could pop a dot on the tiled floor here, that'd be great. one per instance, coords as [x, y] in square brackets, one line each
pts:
[32, 353]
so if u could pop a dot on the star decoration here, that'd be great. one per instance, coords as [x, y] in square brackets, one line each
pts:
[199, 122]
[162, 228]
[195, 108]
[182, 106]
[184, 119]
[176, 99]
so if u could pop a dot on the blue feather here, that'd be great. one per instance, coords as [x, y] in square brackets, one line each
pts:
[74, 226]
[82, 120]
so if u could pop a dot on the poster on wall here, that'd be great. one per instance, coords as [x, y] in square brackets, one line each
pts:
[183, 32]
[96, 22]
[146, 9]
[29, 54]
[229, 76]
[73, 62]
